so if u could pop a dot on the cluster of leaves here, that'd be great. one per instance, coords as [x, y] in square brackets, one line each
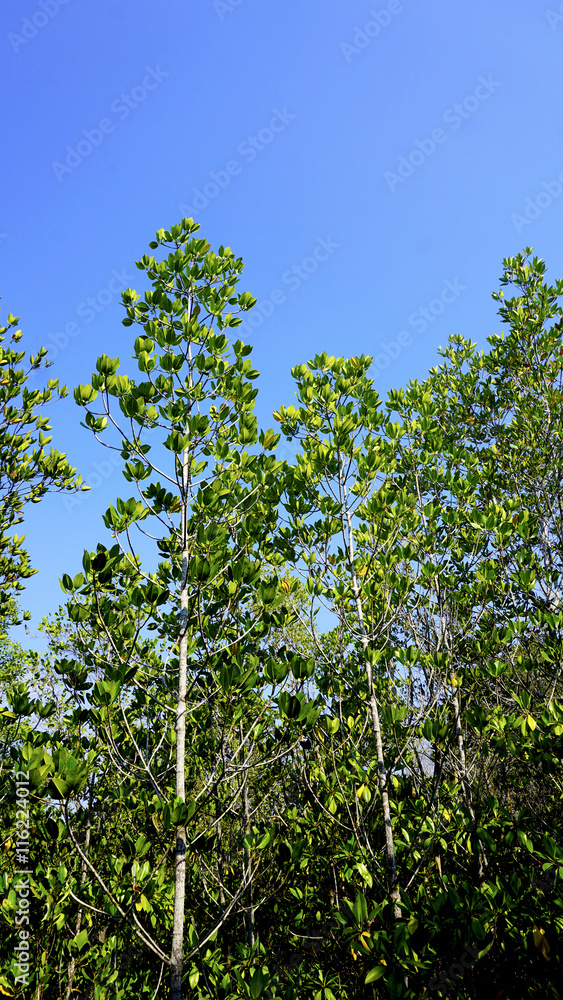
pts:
[28, 468]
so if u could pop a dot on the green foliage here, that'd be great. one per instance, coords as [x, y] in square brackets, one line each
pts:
[361, 650]
[28, 468]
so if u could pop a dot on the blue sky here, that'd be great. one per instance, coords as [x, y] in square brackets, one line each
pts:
[372, 164]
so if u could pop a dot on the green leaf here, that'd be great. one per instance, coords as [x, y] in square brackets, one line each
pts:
[274, 671]
[60, 785]
[84, 394]
[331, 725]
[290, 705]
[258, 984]
[374, 974]
[106, 365]
[360, 908]
[81, 940]
[525, 840]
[478, 929]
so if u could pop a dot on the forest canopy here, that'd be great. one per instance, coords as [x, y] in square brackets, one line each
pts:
[310, 746]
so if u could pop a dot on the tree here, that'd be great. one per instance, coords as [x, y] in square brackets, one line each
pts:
[212, 598]
[366, 520]
[27, 470]
[498, 416]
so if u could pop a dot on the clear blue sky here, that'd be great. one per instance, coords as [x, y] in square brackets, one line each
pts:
[372, 163]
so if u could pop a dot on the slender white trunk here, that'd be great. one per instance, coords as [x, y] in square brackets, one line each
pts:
[466, 784]
[78, 925]
[248, 865]
[467, 793]
[180, 851]
[177, 956]
[220, 857]
[392, 884]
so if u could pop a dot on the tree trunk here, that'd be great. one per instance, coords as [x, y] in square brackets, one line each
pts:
[177, 955]
[248, 865]
[180, 852]
[221, 871]
[392, 884]
[467, 791]
[78, 925]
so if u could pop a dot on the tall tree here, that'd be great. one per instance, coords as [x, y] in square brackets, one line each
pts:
[207, 490]
[28, 468]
